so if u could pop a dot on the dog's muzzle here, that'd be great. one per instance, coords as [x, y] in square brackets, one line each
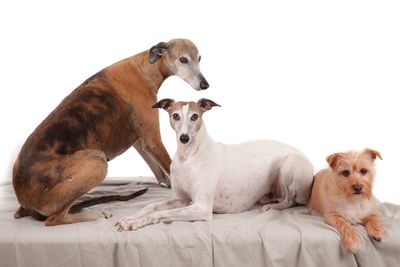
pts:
[184, 138]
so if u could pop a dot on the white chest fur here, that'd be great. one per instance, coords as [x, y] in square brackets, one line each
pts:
[357, 210]
[229, 178]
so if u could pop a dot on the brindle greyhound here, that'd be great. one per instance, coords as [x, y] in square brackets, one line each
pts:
[67, 153]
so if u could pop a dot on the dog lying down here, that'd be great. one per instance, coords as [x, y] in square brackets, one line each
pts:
[342, 194]
[208, 176]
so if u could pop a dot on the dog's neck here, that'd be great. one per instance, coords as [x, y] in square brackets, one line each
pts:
[155, 74]
[202, 142]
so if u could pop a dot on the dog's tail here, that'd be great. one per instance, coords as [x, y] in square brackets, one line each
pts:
[99, 200]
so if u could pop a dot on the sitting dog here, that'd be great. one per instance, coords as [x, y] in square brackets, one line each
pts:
[208, 177]
[67, 154]
[342, 194]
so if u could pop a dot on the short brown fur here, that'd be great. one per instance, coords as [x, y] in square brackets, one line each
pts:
[67, 153]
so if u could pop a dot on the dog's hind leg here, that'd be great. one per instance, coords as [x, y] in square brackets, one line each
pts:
[295, 179]
[21, 212]
[82, 171]
[286, 201]
[303, 177]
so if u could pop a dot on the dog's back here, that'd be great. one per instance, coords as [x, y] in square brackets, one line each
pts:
[91, 117]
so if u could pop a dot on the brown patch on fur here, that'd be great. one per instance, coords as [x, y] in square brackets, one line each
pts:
[193, 107]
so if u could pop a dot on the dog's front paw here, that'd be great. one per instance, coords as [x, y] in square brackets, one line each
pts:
[373, 227]
[128, 223]
[266, 207]
[375, 231]
[351, 241]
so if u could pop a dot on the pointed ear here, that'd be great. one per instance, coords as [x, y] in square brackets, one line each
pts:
[333, 159]
[207, 104]
[164, 104]
[372, 153]
[157, 51]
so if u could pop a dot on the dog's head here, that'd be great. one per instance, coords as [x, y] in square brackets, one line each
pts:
[354, 171]
[180, 57]
[186, 118]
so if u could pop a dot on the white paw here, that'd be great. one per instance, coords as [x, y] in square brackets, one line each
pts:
[266, 207]
[128, 223]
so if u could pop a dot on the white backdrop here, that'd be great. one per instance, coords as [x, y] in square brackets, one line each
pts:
[320, 75]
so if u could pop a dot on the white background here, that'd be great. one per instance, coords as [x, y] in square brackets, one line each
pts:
[320, 75]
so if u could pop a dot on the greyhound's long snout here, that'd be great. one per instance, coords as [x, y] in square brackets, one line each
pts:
[203, 82]
[184, 138]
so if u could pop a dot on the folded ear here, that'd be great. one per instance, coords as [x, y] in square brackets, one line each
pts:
[164, 104]
[333, 159]
[372, 153]
[157, 51]
[207, 104]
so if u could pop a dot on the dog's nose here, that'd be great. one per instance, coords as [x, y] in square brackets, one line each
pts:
[184, 138]
[204, 84]
[357, 188]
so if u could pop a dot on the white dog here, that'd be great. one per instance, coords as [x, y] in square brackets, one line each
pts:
[208, 177]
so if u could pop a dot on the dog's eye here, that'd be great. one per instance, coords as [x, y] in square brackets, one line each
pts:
[194, 117]
[346, 173]
[199, 58]
[183, 60]
[363, 171]
[176, 117]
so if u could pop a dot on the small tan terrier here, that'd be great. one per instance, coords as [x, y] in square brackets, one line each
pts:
[342, 194]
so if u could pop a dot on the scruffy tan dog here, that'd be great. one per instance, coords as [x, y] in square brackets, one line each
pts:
[342, 194]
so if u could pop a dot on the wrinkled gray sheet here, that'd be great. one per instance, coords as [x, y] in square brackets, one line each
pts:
[277, 238]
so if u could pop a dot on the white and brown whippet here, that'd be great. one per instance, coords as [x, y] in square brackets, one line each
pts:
[208, 177]
[67, 154]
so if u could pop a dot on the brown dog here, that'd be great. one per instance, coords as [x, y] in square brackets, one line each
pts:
[343, 196]
[67, 154]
